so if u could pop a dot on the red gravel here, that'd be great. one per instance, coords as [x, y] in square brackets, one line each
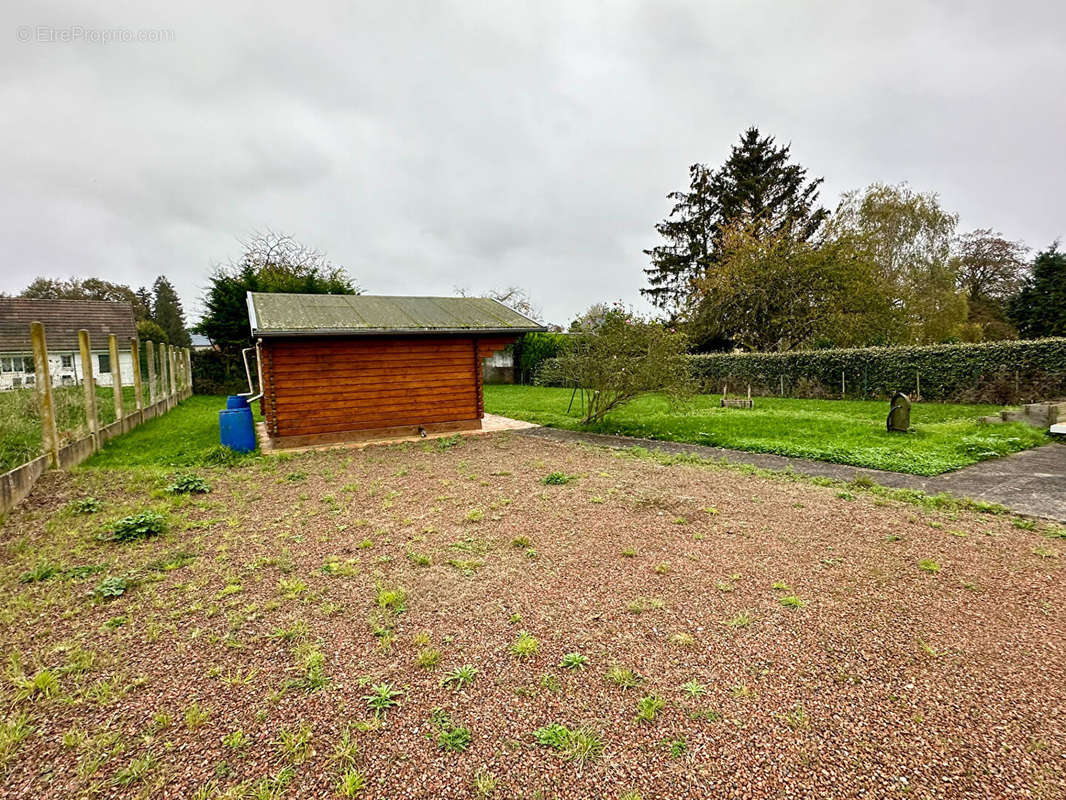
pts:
[889, 680]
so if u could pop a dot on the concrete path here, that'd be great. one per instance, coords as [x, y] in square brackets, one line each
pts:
[1031, 483]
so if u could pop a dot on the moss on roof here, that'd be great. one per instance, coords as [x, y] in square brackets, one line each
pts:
[276, 314]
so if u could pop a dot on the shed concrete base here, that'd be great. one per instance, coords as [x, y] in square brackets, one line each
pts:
[490, 423]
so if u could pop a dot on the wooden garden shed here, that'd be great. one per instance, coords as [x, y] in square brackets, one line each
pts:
[340, 367]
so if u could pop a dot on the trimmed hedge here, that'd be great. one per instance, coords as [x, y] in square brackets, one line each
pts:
[216, 372]
[998, 372]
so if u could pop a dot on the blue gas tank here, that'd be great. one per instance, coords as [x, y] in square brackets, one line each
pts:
[235, 427]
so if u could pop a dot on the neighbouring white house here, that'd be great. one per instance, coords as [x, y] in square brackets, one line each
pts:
[62, 319]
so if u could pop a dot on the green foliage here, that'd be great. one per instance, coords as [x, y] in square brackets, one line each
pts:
[382, 697]
[556, 479]
[648, 708]
[580, 744]
[188, 483]
[149, 331]
[86, 505]
[907, 238]
[757, 185]
[617, 355]
[168, 313]
[111, 587]
[270, 263]
[533, 349]
[1002, 371]
[460, 676]
[525, 646]
[450, 736]
[137, 526]
[771, 292]
[42, 571]
[574, 661]
[1039, 309]
[184, 437]
[943, 437]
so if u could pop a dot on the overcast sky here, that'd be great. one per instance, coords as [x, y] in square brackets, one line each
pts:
[431, 146]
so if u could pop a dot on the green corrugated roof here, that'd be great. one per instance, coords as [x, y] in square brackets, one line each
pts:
[276, 314]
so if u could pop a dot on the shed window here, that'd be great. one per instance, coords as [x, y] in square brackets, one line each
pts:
[105, 362]
[67, 361]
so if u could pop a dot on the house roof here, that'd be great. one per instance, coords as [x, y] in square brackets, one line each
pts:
[276, 314]
[62, 319]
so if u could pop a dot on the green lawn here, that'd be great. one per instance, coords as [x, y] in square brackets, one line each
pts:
[944, 436]
[20, 419]
[185, 436]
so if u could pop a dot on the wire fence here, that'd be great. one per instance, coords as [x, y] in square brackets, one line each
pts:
[53, 398]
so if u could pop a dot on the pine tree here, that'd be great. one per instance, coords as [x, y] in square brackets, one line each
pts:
[168, 313]
[142, 306]
[758, 188]
[1039, 309]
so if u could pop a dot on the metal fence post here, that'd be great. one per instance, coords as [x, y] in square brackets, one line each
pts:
[43, 380]
[88, 384]
[149, 354]
[138, 388]
[116, 377]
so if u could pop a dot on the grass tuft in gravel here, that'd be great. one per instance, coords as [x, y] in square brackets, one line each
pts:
[382, 697]
[580, 745]
[928, 565]
[450, 736]
[573, 661]
[525, 646]
[460, 676]
[351, 784]
[648, 708]
[624, 677]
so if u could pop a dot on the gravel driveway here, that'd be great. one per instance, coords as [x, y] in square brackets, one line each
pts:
[797, 640]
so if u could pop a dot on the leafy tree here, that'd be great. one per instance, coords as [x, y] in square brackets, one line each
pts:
[271, 263]
[990, 271]
[167, 312]
[85, 289]
[148, 331]
[1039, 309]
[908, 237]
[617, 356]
[774, 292]
[758, 187]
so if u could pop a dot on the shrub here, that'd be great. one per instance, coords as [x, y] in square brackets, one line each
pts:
[999, 372]
[137, 526]
[616, 356]
[188, 483]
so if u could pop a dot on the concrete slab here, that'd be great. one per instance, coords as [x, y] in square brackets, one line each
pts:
[490, 423]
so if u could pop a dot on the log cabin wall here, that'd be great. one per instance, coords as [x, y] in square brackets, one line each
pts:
[319, 385]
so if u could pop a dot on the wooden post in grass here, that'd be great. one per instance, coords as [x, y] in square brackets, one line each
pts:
[843, 391]
[188, 367]
[88, 385]
[163, 393]
[170, 370]
[138, 389]
[43, 381]
[116, 376]
[149, 354]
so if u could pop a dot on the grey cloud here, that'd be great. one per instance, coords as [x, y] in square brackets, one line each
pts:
[428, 146]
